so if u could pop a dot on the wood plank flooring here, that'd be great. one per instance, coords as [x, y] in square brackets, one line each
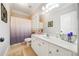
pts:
[21, 49]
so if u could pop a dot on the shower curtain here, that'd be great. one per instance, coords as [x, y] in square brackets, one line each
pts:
[20, 29]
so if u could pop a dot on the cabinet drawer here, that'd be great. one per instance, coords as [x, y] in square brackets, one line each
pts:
[58, 51]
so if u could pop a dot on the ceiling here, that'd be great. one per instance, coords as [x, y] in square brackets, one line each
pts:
[28, 8]
[31, 8]
[62, 7]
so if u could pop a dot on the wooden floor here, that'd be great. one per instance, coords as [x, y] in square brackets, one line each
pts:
[20, 49]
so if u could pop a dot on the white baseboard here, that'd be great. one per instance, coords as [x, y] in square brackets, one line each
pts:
[5, 54]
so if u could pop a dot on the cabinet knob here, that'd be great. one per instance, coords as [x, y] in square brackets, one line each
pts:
[50, 52]
[57, 50]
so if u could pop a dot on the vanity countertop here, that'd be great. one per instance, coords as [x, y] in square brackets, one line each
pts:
[57, 41]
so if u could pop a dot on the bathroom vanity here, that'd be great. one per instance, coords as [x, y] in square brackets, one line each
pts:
[52, 46]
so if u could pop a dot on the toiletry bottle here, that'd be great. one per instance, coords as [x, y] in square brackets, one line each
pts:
[61, 35]
[69, 37]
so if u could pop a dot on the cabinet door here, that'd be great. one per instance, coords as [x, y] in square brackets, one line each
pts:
[64, 52]
[58, 51]
[43, 48]
[52, 50]
[34, 45]
[39, 46]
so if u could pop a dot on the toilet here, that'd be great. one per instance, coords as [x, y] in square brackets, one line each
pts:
[28, 41]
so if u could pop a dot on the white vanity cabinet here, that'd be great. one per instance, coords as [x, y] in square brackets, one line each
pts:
[58, 51]
[45, 48]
